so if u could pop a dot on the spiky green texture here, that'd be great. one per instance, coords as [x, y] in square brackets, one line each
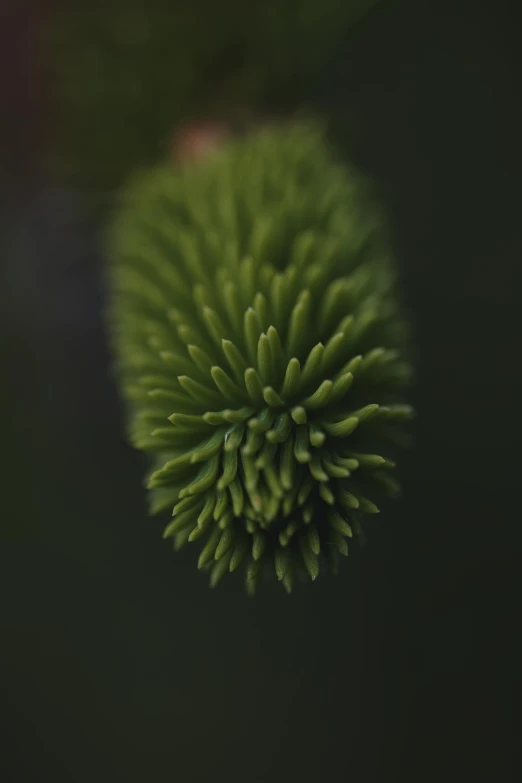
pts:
[124, 73]
[258, 342]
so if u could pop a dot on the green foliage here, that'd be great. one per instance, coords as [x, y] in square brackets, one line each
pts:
[260, 349]
[125, 72]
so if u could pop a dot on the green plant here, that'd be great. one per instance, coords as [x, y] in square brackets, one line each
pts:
[260, 348]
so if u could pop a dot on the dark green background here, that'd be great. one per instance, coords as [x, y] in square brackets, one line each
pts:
[117, 662]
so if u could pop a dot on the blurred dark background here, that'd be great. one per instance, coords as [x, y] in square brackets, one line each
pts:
[116, 662]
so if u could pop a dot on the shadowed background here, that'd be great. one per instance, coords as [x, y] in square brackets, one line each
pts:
[117, 661]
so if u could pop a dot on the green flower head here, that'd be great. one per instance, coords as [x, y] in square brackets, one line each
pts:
[261, 351]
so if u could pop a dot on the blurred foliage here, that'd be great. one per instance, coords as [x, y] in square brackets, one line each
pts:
[125, 72]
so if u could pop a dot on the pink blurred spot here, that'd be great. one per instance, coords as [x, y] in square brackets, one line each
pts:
[194, 141]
